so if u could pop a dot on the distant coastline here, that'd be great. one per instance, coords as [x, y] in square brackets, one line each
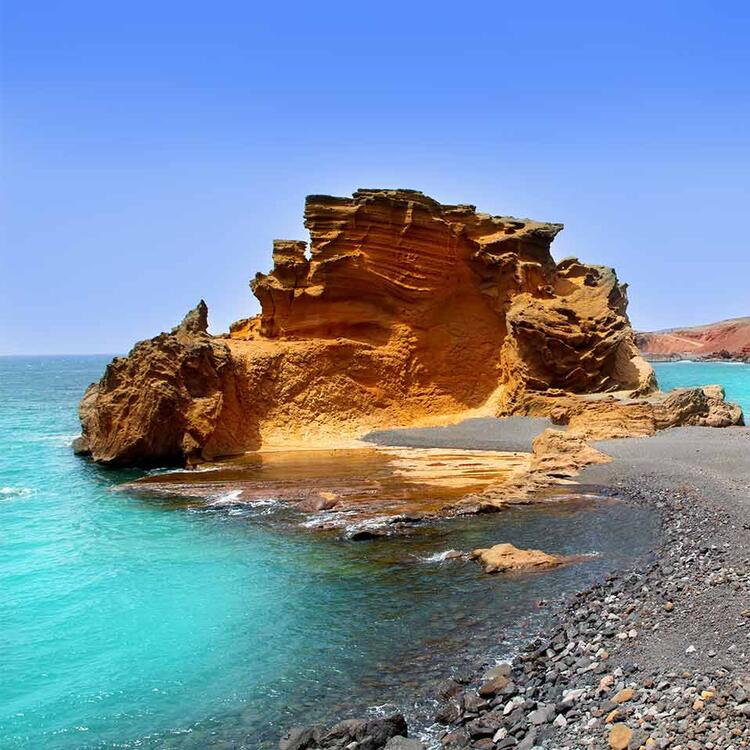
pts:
[729, 357]
[723, 341]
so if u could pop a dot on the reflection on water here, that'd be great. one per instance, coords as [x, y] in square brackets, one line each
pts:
[350, 485]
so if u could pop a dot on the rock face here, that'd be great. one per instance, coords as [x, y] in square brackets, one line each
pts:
[159, 404]
[402, 311]
[728, 339]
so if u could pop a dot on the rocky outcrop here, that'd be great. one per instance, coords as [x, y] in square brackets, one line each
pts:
[161, 403]
[505, 557]
[728, 339]
[402, 311]
[605, 417]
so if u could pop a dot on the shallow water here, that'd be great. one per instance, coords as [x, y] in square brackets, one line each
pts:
[132, 622]
[374, 487]
[734, 376]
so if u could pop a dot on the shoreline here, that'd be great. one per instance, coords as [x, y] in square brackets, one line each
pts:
[732, 358]
[665, 645]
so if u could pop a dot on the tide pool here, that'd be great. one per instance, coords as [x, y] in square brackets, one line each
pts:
[128, 622]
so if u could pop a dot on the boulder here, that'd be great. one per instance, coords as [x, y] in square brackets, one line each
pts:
[505, 557]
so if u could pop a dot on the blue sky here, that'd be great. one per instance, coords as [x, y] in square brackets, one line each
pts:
[152, 151]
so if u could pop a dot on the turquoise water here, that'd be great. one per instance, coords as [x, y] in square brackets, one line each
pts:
[127, 622]
[735, 377]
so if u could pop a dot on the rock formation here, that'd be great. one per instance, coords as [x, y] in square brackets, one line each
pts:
[728, 339]
[160, 403]
[601, 417]
[402, 311]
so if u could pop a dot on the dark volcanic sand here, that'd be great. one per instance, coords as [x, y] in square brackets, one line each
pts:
[486, 434]
[711, 469]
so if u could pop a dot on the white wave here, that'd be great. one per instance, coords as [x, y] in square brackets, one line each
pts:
[438, 556]
[63, 440]
[263, 506]
[237, 506]
[263, 501]
[226, 498]
[325, 518]
[8, 492]
[160, 471]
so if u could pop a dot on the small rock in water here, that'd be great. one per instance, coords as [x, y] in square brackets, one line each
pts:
[503, 557]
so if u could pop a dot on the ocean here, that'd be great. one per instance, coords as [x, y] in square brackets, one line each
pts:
[128, 622]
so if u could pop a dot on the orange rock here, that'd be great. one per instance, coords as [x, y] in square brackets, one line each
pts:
[563, 454]
[160, 404]
[504, 557]
[402, 311]
[619, 737]
[625, 695]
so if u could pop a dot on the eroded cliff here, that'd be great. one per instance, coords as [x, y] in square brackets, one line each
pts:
[402, 311]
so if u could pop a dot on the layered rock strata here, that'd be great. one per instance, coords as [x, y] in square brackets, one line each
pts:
[402, 311]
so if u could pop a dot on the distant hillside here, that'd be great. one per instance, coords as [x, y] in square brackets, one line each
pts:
[727, 339]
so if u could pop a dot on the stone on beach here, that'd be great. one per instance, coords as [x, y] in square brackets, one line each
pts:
[404, 743]
[619, 736]
[624, 695]
[375, 734]
[506, 557]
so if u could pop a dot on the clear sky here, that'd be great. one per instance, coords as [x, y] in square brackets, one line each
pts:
[152, 150]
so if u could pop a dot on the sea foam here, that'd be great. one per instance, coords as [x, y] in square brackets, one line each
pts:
[437, 557]
[8, 492]
[226, 498]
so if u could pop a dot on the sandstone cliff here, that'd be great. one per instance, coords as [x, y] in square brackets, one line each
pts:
[728, 339]
[402, 311]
